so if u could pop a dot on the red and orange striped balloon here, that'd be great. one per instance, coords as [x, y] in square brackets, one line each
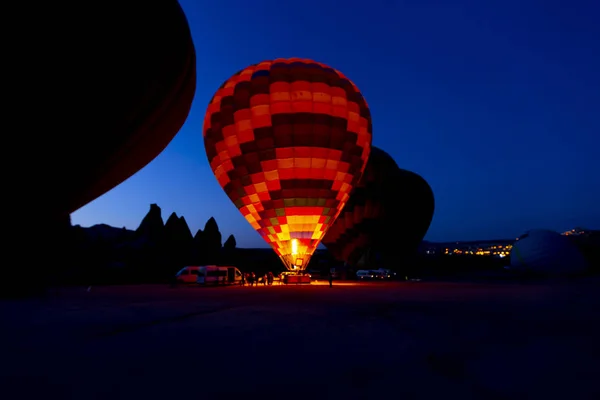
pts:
[288, 140]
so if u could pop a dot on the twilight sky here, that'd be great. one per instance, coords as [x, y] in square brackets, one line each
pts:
[495, 103]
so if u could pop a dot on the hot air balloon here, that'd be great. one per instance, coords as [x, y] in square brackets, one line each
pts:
[287, 140]
[543, 251]
[123, 80]
[106, 88]
[388, 212]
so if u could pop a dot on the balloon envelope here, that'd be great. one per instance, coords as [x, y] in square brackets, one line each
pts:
[288, 140]
[389, 211]
[546, 252]
[122, 80]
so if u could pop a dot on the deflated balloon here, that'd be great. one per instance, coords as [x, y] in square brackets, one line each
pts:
[389, 212]
[288, 140]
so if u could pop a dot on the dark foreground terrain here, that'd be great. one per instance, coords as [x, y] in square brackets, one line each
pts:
[398, 340]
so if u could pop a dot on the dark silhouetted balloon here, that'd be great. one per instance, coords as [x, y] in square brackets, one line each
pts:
[288, 140]
[97, 90]
[116, 85]
[389, 212]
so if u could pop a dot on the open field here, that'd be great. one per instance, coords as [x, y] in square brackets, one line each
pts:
[394, 340]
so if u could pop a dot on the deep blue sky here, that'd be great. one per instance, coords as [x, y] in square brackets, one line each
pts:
[495, 103]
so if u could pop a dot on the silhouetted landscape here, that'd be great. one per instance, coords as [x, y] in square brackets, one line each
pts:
[156, 250]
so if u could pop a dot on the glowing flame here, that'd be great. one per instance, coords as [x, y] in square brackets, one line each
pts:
[294, 246]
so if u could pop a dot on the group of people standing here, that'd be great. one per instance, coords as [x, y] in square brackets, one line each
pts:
[252, 279]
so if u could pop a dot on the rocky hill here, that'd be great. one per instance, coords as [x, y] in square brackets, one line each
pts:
[155, 249]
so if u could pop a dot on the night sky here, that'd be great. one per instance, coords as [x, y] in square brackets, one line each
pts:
[495, 103]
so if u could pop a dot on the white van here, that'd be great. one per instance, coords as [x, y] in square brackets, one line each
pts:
[364, 274]
[385, 273]
[218, 275]
[187, 275]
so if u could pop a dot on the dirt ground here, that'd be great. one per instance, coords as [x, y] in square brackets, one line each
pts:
[410, 340]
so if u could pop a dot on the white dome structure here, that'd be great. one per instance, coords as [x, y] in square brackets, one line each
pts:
[545, 251]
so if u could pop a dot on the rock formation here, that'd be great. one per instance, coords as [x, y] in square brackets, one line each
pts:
[212, 242]
[151, 227]
[230, 243]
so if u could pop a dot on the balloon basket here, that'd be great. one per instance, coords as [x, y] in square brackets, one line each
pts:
[296, 279]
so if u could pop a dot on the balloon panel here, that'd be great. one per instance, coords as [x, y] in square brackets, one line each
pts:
[288, 140]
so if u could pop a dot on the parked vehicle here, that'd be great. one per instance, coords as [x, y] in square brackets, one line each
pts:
[363, 274]
[187, 275]
[218, 275]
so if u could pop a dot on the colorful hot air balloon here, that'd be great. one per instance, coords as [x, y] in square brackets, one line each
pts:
[388, 212]
[287, 140]
[123, 80]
